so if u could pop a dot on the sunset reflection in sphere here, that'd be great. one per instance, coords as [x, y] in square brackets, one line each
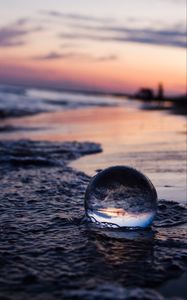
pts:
[120, 196]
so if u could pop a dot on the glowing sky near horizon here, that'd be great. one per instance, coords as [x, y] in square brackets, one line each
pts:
[115, 45]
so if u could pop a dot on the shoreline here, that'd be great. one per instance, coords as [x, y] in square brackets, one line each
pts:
[153, 142]
[33, 106]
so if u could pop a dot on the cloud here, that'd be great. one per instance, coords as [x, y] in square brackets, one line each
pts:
[76, 56]
[75, 17]
[49, 56]
[14, 34]
[174, 36]
[93, 28]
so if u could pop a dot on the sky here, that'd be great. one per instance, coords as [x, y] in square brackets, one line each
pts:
[107, 45]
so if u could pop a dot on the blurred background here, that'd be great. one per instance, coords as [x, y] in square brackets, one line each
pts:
[116, 46]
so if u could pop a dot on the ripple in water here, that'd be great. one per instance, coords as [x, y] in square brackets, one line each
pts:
[121, 197]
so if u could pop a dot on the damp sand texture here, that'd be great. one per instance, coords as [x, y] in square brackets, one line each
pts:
[46, 252]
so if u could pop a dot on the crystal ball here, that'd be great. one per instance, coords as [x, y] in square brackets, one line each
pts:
[121, 196]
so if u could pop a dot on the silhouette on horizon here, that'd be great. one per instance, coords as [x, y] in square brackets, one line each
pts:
[160, 95]
[147, 94]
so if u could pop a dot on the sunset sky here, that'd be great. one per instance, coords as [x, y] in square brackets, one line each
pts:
[111, 45]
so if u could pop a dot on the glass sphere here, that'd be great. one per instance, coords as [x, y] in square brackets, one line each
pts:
[121, 197]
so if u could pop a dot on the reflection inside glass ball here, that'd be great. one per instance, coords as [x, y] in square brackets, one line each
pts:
[121, 197]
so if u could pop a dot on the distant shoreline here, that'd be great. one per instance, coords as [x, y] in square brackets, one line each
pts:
[179, 97]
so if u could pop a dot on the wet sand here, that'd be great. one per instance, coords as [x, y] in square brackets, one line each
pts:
[47, 251]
